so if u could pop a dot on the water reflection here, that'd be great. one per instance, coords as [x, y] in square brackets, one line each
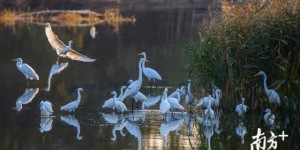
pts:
[208, 132]
[134, 129]
[71, 120]
[55, 69]
[26, 97]
[241, 131]
[93, 32]
[46, 124]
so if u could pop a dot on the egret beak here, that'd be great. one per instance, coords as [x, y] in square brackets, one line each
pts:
[139, 54]
[14, 60]
[147, 60]
[256, 75]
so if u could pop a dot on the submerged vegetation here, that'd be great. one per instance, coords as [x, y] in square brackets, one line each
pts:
[245, 38]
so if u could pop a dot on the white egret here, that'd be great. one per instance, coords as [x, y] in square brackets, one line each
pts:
[73, 105]
[241, 131]
[272, 95]
[59, 46]
[181, 92]
[203, 102]
[55, 69]
[174, 102]
[164, 106]
[110, 102]
[46, 108]
[120, 106]
[208, 112]
[139, 97]
[189, 98]
[269, 117]
[135, 86]
[150, 73]
[26, 69]
[46, 124]
[26, 97]
[151, 100]
[217, 93]
[71, 120]
[241, 108]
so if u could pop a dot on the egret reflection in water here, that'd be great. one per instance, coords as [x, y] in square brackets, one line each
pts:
[93, 32]
[134, 129]
[55, 69]
[46, 124]
[26, 97]
[119, 126]
[71, 120]
[241, 131]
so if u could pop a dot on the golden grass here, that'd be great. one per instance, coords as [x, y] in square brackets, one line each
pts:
[8, 17]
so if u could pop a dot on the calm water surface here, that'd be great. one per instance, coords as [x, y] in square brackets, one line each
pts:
[161, 30]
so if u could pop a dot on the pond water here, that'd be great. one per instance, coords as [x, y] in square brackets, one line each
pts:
[161, 29]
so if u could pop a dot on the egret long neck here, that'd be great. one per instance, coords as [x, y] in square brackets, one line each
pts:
[189, 89]
[265, 82]
[79, 96]
[122, 91]
[178, 95]
[114, 98]
[140, 71]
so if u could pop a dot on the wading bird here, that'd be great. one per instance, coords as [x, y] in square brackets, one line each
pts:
[189, 98]
[150, 73]
[120, 106]
[174, 102]
[139, 97]
[46, 108]
[208, 112]
[241, 109]
[272, 95]
[269, 117]
[110, 102]
[181, 92]
[164, 106]
[63, 50]
[26, 70]
[73, 105]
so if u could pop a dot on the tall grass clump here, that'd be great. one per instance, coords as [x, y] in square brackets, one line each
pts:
[245, 38]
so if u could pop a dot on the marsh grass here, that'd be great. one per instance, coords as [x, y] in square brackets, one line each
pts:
[244, 39]
[8, 17]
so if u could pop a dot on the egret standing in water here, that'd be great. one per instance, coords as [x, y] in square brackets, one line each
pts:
[150, 73]
[164, 106]
[62, 50]
[139, 97]
[120, 106]
[208, 112]
[181, 92]
[272, 95]
[110, 102]
[26, 70]
[241, 108]
[73, 105]
[174, 102]
[189, 98]
[46, 108]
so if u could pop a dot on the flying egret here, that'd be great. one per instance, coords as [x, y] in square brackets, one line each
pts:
[241, 108]
[164, 106]
[46, 124]
[241, 131]
[46, 108]
[73, 105]
[110, 102]
[135, 86]
[60, 47]
[189, 98]
[26, 69]
[120, 106]
[26, 98]
[181, 92]
[150, 73]
[272, 95]
[71, 120]
[269, 117]
[174, 102]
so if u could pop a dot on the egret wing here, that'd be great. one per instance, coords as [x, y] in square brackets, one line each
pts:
[54, 41]
[26, 69]
[72, 54]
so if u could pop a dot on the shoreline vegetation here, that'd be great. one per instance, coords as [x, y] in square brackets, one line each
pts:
[112, 17]
[241, 40]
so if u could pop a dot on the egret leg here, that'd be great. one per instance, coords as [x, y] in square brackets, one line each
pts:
[132, 106]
